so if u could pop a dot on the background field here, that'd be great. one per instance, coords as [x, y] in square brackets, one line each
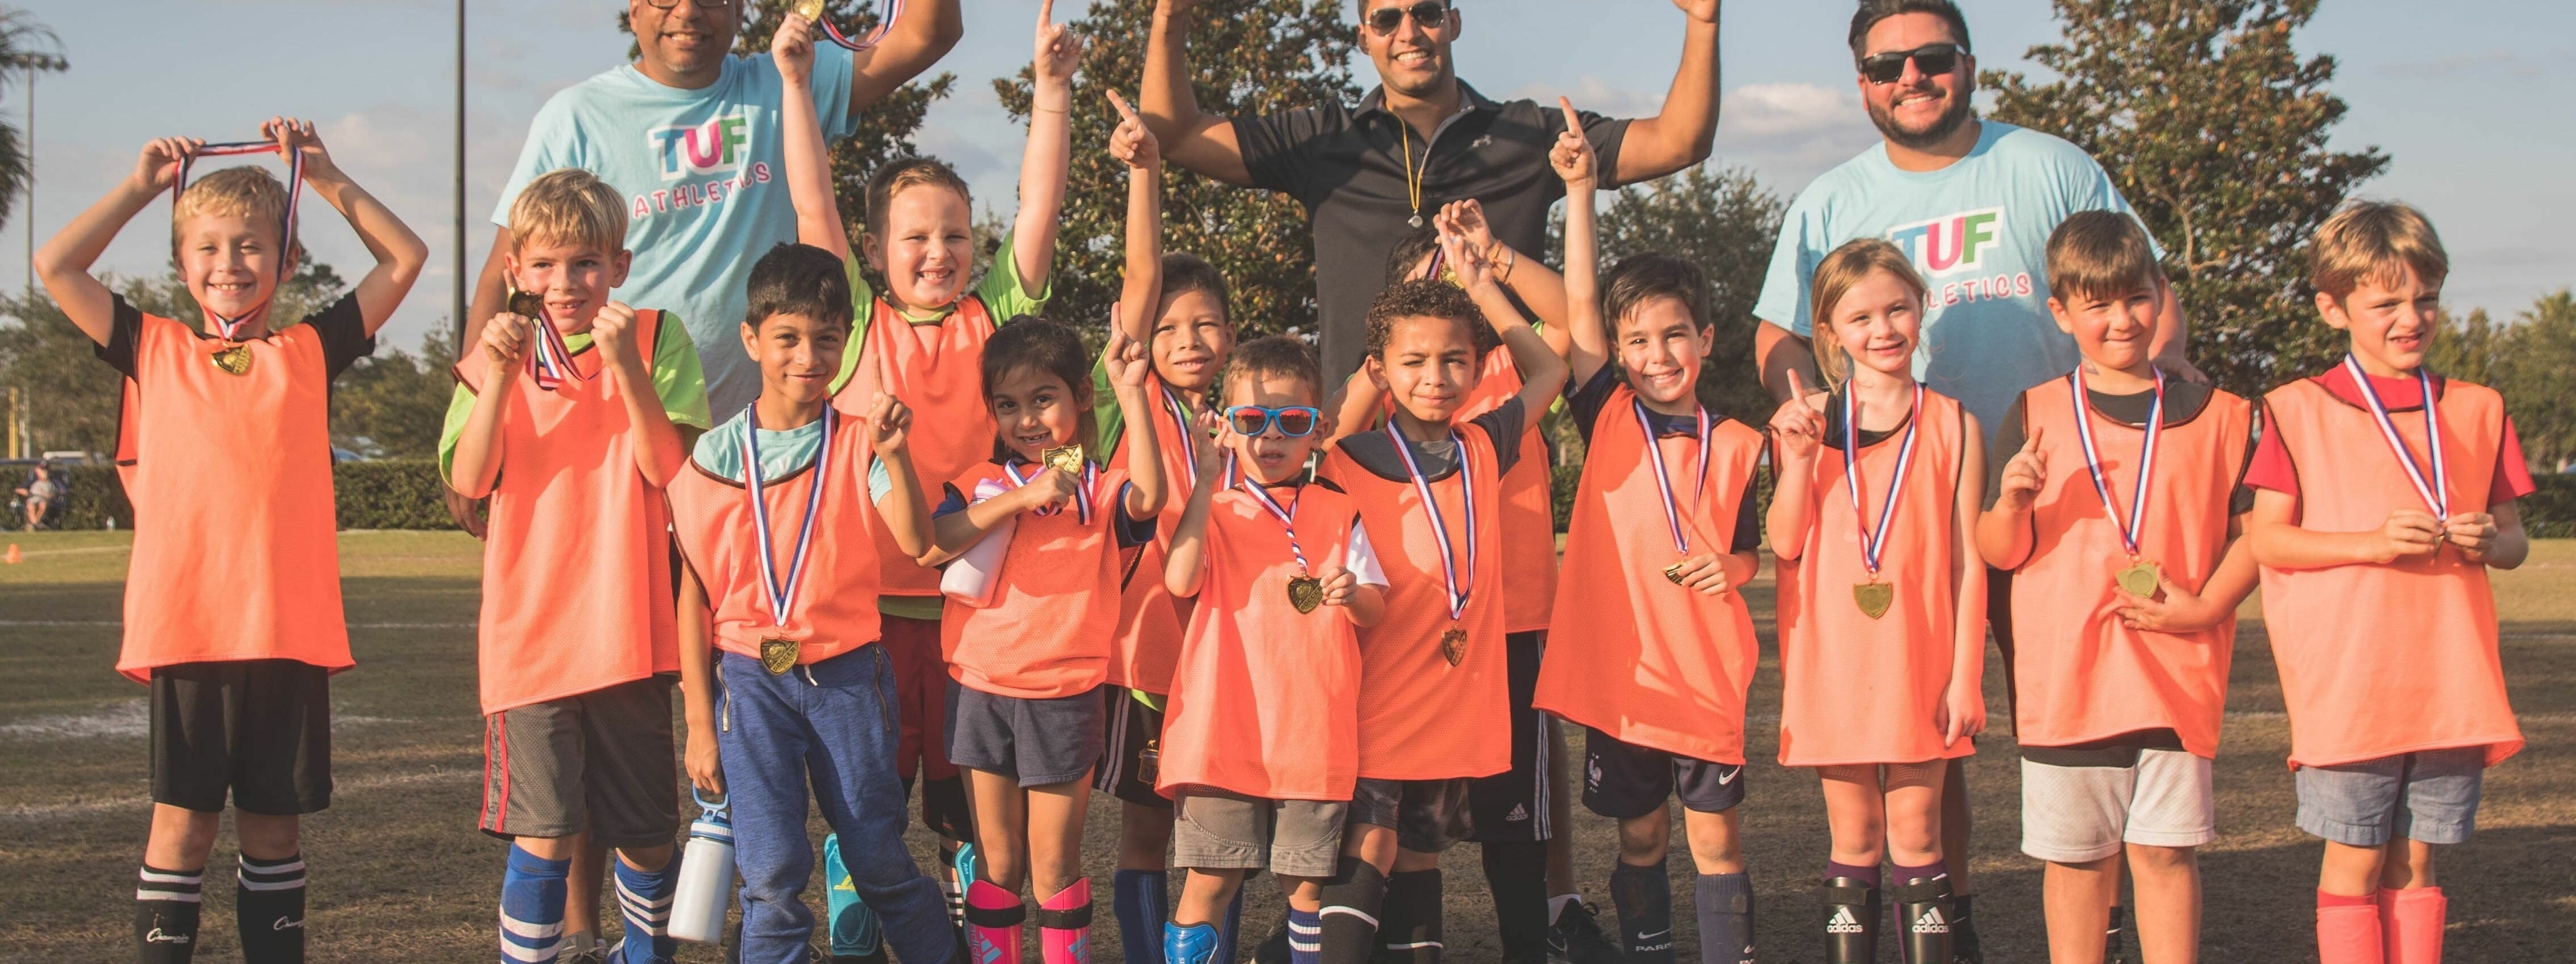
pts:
[400, 874]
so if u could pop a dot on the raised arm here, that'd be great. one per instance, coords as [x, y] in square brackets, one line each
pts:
[911, 46]
[1542, 373]
[1125, 358]
[65, 260]
[1049, 158]
[1185, 568]
[1588, 347]
[1539, 287]
[1681, 134]
[905, 511]
[1204, 143]
[398, 252]
[1797, 432]
[808, 156]
[1142, 288]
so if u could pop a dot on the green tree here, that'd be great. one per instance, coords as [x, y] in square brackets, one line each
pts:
[1724, 221]
[21, 37]
[391, 405]
[2533, 377]
[2215, 129]
[1251, 57]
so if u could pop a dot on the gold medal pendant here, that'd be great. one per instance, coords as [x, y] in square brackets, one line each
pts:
[1453, 645]
[529, 305]
[234, 360]
[810, 9]
[777, 655]
[1874, 597]
[1306, 593]
[1674, 573]
[2140, 580]
[1063, 458]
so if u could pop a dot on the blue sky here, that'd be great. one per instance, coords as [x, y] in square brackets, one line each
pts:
[2460, 98]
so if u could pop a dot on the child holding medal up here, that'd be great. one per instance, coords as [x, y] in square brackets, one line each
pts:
[1262, 744]
[2117, 514]
[579, 397]
[1655, 650]
[1881, 598]
[2384, 493]
[232, 602]
[1434, 697]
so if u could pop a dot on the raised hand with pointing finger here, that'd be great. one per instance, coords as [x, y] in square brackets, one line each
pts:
[1572, 157]
[2024, 475]
[1798, 427]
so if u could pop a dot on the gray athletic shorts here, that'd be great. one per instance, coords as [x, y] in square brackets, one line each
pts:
[1039, 742]
[2080, 814]
[599, 761]
[1216, 830]
[2430, 796]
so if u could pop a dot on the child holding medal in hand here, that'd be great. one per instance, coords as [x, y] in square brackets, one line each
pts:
[578, 645]
[780, 673]
[1024, 711]
[1655, 650]
[1881, 598]
[1434, 698]
[2117, 516]
[1261, 746]
[2383, 494]
[232, 602]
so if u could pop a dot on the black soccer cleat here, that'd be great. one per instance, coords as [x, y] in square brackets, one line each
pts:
[1575, 937]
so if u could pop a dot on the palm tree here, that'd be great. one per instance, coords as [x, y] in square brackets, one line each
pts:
[25, 45]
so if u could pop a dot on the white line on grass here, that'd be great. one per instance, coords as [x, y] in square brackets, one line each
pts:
[48, 813]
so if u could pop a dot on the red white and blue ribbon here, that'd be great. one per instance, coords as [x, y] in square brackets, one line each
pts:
[888, 12]
[1458, 586]
[1287, 517]
[783, 592]
[550, 359]
[2434, 490]
[1189, 450]
[230, 328]
[2136, 524]
[1873, 539]
[1081, 500]
[1664, 479]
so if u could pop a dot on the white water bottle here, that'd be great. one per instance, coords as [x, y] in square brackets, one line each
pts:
[974, 577]
[705, 892]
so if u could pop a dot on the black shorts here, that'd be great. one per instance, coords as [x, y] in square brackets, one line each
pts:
[1622, 780]
[1512, 806]
[1428, 816]
[943, 806]
[1038, 742]
[1133, 729]
[1999, 621]
[260, 729]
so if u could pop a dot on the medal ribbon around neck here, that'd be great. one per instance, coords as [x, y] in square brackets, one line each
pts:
[2136, 525]
[1287, 518]
[1873, 539]
[1189, 452]
[1458, 586]
[782, 594]
[2435, 491]
[889, 12]
[230, 328]
[1082, 499]
[550, 363]
[1664, 480]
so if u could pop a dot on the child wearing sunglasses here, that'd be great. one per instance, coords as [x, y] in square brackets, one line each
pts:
[1261, 747]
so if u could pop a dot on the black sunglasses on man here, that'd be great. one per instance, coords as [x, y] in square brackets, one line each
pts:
[1932, 59]
[1431, 14]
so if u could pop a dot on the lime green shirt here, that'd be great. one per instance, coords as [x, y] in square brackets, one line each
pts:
[1004, 297]
[678, 381]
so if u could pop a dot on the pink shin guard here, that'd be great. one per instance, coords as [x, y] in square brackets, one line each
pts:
[2410, 923]
[1064, 925]
[2348, 930]
[993, 917]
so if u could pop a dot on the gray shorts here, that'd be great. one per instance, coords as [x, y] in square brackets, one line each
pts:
[2080, 814]
[1428, 816]
[1038, 742]
[599, 762]
[1216, 830]
[2429, 796]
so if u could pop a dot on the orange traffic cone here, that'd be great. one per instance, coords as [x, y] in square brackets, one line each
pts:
[12, 558]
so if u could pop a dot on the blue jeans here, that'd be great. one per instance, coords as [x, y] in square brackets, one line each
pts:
[834, 721]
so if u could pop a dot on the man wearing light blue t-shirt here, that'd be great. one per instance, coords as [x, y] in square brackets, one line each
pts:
[1972, 203]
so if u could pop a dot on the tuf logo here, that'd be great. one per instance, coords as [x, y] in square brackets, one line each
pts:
[720, 144]
[1950, 243]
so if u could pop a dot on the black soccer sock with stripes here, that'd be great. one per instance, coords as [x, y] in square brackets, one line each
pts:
[1516, 874]
[270, 910]
[1643, 897]
[1354, 898]
[1409, 931]
[165, 914]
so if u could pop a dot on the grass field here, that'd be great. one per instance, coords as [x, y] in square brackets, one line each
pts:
[399, 872]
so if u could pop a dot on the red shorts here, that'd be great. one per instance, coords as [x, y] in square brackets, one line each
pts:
[921, 688]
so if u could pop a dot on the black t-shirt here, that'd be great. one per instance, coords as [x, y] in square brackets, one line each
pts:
[1347, 166]
[342, 326]
[2184, 401]
[1586, 403]
[1439, 460]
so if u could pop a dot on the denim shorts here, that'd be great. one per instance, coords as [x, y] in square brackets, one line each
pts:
[2429, 796]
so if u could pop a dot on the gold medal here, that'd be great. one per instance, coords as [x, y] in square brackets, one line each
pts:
[1453, 645]
[810, 9]
[1305, 593]
[234, 360]
[777, 655]
[2140, 580]
[1874, 597]
[529, 305]
[1063, 458]
[1674, 572]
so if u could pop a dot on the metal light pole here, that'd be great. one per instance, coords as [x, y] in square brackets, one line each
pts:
[33, 62]
[458, 318]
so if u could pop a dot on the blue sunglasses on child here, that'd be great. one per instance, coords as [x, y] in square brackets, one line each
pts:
[1294, 421]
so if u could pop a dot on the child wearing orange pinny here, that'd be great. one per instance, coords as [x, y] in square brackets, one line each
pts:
[1881, 598]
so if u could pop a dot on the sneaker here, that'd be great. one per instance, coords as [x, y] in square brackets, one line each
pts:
[1576, 938]
[581, 949]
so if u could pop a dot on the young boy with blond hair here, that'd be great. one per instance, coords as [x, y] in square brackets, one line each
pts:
[2384, 493]
[232, 603]
[568, 421]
